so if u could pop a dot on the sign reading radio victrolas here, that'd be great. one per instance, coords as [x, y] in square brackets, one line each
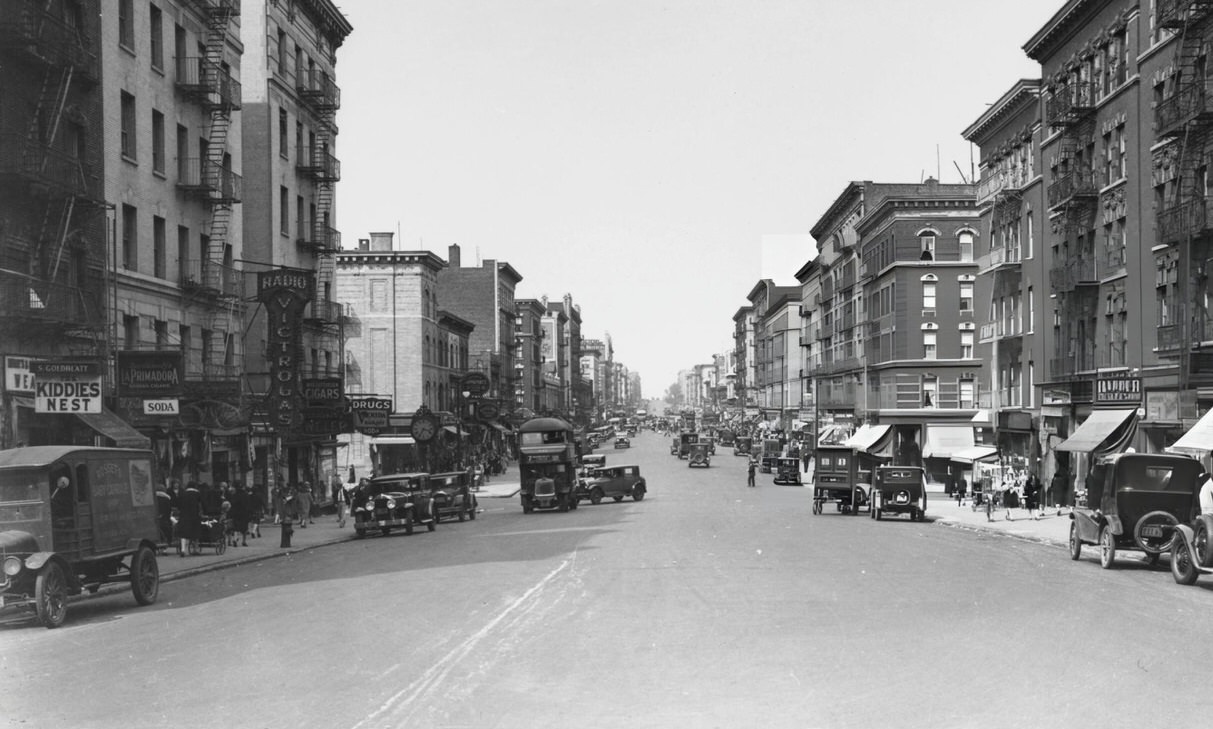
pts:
[67, 387]
[285, 294]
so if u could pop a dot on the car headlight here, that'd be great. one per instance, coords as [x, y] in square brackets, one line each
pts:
[389, 504]
[12, 566]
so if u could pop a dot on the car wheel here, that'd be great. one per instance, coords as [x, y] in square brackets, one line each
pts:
[562, 502]
[618, 498]
[1204, 541]
[638, 493]
[527, 507]
[359, 532]
[145, 576]
[1075, 542]
[596, 496]
[1183, 563]
[221, 545]
[388, 530]
[433, 513]
[50, 595]
[1107, 548]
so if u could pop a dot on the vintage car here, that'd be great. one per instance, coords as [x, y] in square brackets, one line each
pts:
[726, 437]
[675, 446]
[743, 445]
[898, 490]
[836, 479]
[685, 441]
[452, 496]
[787, 470]
[700, 455]
[74, 518]
[772, 449]
[615, 482]
[1134, 501]
[622, 442]
[711, 443]
[398, 501]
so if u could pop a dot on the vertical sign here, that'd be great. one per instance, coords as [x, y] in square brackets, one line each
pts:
[284, 294]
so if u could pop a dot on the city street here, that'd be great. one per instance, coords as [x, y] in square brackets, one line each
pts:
[708, 604]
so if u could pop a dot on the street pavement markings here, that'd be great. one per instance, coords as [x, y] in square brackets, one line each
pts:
[397, 710]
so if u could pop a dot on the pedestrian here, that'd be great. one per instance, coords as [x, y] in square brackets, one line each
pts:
[1031, 497]
[750, 474]
[256, 502]
[339, 499]
[239, 515]
[189, 518]
[303, 503]
[963, 489]
[958, 490]
[1057, 490]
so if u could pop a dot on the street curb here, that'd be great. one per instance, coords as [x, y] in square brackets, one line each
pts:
[1001, 532]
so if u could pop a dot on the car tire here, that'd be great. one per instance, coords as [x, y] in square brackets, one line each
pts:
[388, 530]
[879, 514]
[1107, 548]
[1075, 542]
[1203, 541]
[596, 496]
[359, 532]
[638, 493]
[432, 524]
[50, 595]
[145, 576]
[472, 510]
[1183, 562]
[221, 545]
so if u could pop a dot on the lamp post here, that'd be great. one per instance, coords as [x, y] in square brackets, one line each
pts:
[463, 396]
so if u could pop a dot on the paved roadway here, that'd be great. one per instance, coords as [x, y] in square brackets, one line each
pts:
[706, 605]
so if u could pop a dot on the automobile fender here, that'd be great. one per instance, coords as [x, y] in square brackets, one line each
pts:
[1186, 534]
[1114, 524]
[38, 560]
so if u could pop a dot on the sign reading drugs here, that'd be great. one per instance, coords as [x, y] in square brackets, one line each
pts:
[285, 294]
[67, 387]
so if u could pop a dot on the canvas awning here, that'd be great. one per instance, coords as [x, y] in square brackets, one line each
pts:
[982, 418]
[108, 423]
[1097, 431]
[873, 439]
[976, 453]
[941, 441]
[1198, 441]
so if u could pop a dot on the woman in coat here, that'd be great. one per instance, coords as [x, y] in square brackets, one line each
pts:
[189, 520]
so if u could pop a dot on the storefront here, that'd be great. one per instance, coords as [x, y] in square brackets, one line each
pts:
[1105, 431]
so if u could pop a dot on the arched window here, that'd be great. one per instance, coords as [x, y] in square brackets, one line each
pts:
[966, 238]
[926, 241]
[929, 284]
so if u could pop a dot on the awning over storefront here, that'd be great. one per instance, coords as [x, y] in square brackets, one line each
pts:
[497, 427]
[941, 441]
[976, 453]
[108, 423]
[1198, 441]
[874, 439]
[385, 440]
[982, 418]
[833, 435]
[1097, 431]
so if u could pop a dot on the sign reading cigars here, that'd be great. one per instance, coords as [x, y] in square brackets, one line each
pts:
[285, 294]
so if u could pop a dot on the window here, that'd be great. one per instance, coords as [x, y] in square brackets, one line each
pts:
[968, 393]
[282, 131]
[926, 242]
[161, 328]
[183, 153]
[183, 253]
[966, 344]
[208, 345]
[1031, 311]
[930, 391]
[966, 246]
[130, 238]
[157, 25]
[301, 232]
[130, 331]
[928, 294]
[159, 245]
[126, 24]
[284, 210]
[966, 296]
[128, 126]
[157, 142]
[282, 57]
[929, 343]
[1031, 234]
[184, 335]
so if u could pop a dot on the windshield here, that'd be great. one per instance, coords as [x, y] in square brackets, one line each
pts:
[21, 500]
[550, 437]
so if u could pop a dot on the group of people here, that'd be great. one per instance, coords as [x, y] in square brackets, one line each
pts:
[185, 514]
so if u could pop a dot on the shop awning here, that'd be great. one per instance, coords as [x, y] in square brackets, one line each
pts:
[497, 426]
[941, 441]
[108, 423]
[976, 453]
[874, 439]
[385, 440]
[1095, 433]
[982, 418]
[1198, 441]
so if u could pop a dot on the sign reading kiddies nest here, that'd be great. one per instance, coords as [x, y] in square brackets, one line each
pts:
[285, 294]
[67, 387]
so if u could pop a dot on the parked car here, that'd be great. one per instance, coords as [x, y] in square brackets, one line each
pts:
[74, 518]
[622, 442]
[675, 447]
[898, 490]
[1135, 501]
[615, 482]
[743, 445]
[452, 496]
[700, 455]
[398, 501]
[787, 470]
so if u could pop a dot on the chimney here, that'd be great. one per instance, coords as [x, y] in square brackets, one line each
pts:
[452, 256]
[364, 244]
[382, 241]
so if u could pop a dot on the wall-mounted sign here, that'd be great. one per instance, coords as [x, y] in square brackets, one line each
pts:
[1117, 390]
[166, 406]
[323, 391]
[67, 387]
[18, 377]
[149, 374]
[475, 384]
[370, 415]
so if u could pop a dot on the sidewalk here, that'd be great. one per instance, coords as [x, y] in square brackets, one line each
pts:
[1049, 529]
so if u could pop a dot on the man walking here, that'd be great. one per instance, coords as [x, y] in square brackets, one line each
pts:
[751, 470]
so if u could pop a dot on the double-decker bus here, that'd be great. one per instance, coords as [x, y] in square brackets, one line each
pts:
[547, 459]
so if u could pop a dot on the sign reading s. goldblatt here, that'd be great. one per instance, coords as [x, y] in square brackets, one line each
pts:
[285, 294]
[67, 387]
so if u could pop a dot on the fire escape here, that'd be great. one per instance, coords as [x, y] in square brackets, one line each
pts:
[52, 258]
[1185, 236]
[1072, 199]
[212, 281]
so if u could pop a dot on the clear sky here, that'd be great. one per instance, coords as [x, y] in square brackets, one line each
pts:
[655, 158]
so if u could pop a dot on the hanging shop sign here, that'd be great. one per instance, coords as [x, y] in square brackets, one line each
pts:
[18, 377]
[1117, 390]
[476, 384]
[67, 387]
[285, 294]
[370, 415]
[149, 374]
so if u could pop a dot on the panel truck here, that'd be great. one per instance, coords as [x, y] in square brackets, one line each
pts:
[547, 458]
